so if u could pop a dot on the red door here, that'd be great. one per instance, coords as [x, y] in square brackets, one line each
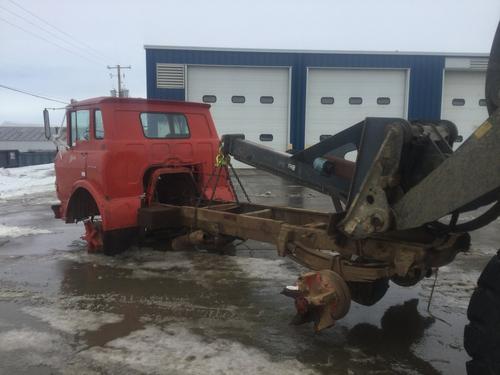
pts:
[72, 163]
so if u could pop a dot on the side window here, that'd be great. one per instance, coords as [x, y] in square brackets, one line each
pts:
[98, 125]
[82, 125]
[73, 128]
[164, 125]
[80, 122]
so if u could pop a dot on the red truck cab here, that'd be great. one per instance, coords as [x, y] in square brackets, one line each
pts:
[125, 153]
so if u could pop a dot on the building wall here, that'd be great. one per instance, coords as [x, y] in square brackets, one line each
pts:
[25, 146]
[425, 75]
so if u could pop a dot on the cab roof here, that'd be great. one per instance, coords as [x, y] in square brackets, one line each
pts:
[137, 101]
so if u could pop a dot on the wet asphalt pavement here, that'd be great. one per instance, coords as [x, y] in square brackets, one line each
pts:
[149, 311]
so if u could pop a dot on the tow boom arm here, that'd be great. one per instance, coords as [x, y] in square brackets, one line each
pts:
[406, 174]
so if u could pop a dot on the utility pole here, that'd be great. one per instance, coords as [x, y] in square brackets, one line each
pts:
[119, 75]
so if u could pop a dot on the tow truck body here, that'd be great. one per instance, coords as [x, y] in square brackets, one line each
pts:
[397, 207]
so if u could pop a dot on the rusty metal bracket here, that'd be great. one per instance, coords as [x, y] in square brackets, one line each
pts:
[370, 211]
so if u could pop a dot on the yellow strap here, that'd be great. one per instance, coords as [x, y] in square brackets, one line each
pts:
[222, 160]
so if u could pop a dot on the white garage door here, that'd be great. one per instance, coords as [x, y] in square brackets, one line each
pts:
[339, 98]
[463, 100]
[253, 101]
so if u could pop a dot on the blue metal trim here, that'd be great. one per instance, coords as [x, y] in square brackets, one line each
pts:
[426, 76]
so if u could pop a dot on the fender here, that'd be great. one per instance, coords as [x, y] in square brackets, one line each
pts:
[118, 213]
[94, 192]
[156, 173]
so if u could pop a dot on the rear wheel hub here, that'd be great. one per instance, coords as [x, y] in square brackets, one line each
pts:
[93, 236]
[321, 297]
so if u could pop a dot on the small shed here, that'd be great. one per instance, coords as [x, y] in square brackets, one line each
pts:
[22, 145]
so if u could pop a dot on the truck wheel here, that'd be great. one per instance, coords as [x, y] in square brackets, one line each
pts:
[118, 240]
[108, 242]
[482, 334]
[368, 293]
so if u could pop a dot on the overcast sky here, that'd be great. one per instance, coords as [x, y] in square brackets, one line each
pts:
[116, 32]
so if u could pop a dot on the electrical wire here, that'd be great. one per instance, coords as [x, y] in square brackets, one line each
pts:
[54, 35]
[60, 31]
[31, 94]
[50, 42]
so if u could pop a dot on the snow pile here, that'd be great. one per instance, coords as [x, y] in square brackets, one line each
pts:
[175, 350]
[25, 338]
[267, 269]
[16, 182]
[73, 320]
[13, 232]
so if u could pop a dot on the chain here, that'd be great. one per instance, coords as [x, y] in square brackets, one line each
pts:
[239, 183]
[222, 160]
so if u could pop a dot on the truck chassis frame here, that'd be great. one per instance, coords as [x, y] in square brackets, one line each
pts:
[305, 236]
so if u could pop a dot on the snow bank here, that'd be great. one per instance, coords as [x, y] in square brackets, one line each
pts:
[175, 350]
[13, 232]
[16, 182]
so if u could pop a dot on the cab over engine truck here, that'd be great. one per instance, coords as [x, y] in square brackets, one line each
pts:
[123, 154]
[133, 167]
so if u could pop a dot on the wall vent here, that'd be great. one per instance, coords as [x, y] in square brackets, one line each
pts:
[478, 64]
[169, 76]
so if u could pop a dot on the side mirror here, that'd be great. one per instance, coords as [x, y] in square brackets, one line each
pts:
[46, 123]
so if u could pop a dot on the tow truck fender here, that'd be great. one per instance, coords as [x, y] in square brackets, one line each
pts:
[115, 213]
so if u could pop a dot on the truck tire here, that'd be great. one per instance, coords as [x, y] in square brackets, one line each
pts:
[368, 293]
[118, 240]
[482, 334]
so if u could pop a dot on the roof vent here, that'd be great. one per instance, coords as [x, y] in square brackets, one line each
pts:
[478, 64]
[169, 76]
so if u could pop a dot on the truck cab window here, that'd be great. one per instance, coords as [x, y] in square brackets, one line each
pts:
[73, 128]
[82, 125]
[80, 121]
[164, 125]
[98, 125]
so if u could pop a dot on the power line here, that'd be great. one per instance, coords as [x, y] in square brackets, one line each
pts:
[31, 94]
[59, 30]
[50, 42]
[48, 32]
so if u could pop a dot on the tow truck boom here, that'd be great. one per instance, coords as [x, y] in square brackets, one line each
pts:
[406, 174]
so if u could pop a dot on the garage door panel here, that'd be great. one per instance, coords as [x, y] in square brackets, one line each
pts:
[468, 110]
[343, 84]
[252, 117]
